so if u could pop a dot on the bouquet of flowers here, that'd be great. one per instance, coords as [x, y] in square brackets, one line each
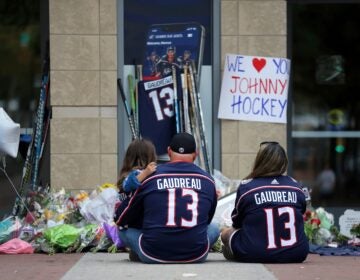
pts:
[320, 229]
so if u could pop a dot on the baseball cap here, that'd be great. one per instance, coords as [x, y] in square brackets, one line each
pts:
[183, 143]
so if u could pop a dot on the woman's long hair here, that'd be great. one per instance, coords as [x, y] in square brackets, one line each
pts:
[271, 160]
[139, 154]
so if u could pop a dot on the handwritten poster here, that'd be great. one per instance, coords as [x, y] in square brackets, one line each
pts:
[254, 88]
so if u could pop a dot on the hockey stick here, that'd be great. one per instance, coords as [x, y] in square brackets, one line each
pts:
[176, 101]
[26, 174]
[194, 121]
[181, 112]
[139, 78]
[140, 75]
[187, 126]
[200, 121]
[40, 123]
[131, 85]
[45, 133]
[127, 109]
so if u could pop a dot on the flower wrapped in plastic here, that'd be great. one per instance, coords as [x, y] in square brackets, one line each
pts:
[327, 219]
[16, 246]
[9, 228]
[311, 225]
[63, 237]
[320, 229]
[112, 233]
[100, 206]
[89, 236]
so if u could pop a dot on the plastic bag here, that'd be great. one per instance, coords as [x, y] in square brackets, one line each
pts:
[224, 208]
[27, 233]
[9, 228]
[327, 219]
[88, 236]
[16, 246]
[112, 232]
[101, 208]
[104, 244]
[62, 236]
[223, 184]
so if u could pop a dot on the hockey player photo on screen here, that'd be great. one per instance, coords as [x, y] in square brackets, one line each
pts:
[173, 45]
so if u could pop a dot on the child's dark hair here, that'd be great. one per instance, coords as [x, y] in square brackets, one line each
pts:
[139, 154]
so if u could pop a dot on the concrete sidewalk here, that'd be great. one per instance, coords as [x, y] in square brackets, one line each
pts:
[117, 266]
[99, 266]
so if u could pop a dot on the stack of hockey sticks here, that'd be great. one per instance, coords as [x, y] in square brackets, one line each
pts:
[191, 115]
[188, 111]
[186, 105]
[38, 140]
[128, 111]
[131, 109]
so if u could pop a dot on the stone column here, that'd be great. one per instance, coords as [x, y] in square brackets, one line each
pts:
[256, 28]
[83, 57]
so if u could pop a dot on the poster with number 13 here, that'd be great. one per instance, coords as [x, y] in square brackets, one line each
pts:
[254, 88]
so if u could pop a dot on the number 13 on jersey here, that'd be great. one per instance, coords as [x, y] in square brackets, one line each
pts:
[191, 206]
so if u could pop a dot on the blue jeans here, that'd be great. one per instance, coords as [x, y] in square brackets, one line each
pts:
[131, 237]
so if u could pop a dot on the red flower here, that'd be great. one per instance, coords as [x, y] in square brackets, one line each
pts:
[315, 221]
[29, 218]
[307, 215]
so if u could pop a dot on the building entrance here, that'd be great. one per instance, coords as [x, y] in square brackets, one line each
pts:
[325, 146]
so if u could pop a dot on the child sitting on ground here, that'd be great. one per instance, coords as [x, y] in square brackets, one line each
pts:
[139, 163]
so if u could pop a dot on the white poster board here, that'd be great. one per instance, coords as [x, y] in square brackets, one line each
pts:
[254, 88]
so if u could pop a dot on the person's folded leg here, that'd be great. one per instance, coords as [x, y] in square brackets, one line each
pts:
[131, 238]
[226, 248]
[213, 233]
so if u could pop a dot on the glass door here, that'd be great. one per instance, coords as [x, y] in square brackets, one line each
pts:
[20, 80]
[326, 101]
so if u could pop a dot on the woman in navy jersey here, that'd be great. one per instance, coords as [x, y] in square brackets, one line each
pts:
[267, 218]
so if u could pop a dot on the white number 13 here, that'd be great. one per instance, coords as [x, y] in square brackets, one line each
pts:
[168, 95]
[193, 207]
[290, 225]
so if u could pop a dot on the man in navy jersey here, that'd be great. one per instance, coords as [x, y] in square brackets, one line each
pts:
[176, 205]
[267, 219]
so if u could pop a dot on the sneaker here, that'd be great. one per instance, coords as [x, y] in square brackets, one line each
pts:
[133, 257]
[227, 253]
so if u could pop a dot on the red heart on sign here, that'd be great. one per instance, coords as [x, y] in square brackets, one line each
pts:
[259, 63]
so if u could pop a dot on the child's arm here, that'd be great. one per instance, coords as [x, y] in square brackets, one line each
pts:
[134, 179]
[150, 168]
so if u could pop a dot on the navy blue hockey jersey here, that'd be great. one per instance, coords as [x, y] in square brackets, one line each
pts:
[176, 204]
[157, 111]
[269, 215]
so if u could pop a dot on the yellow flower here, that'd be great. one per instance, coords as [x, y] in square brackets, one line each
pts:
[106, 186]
